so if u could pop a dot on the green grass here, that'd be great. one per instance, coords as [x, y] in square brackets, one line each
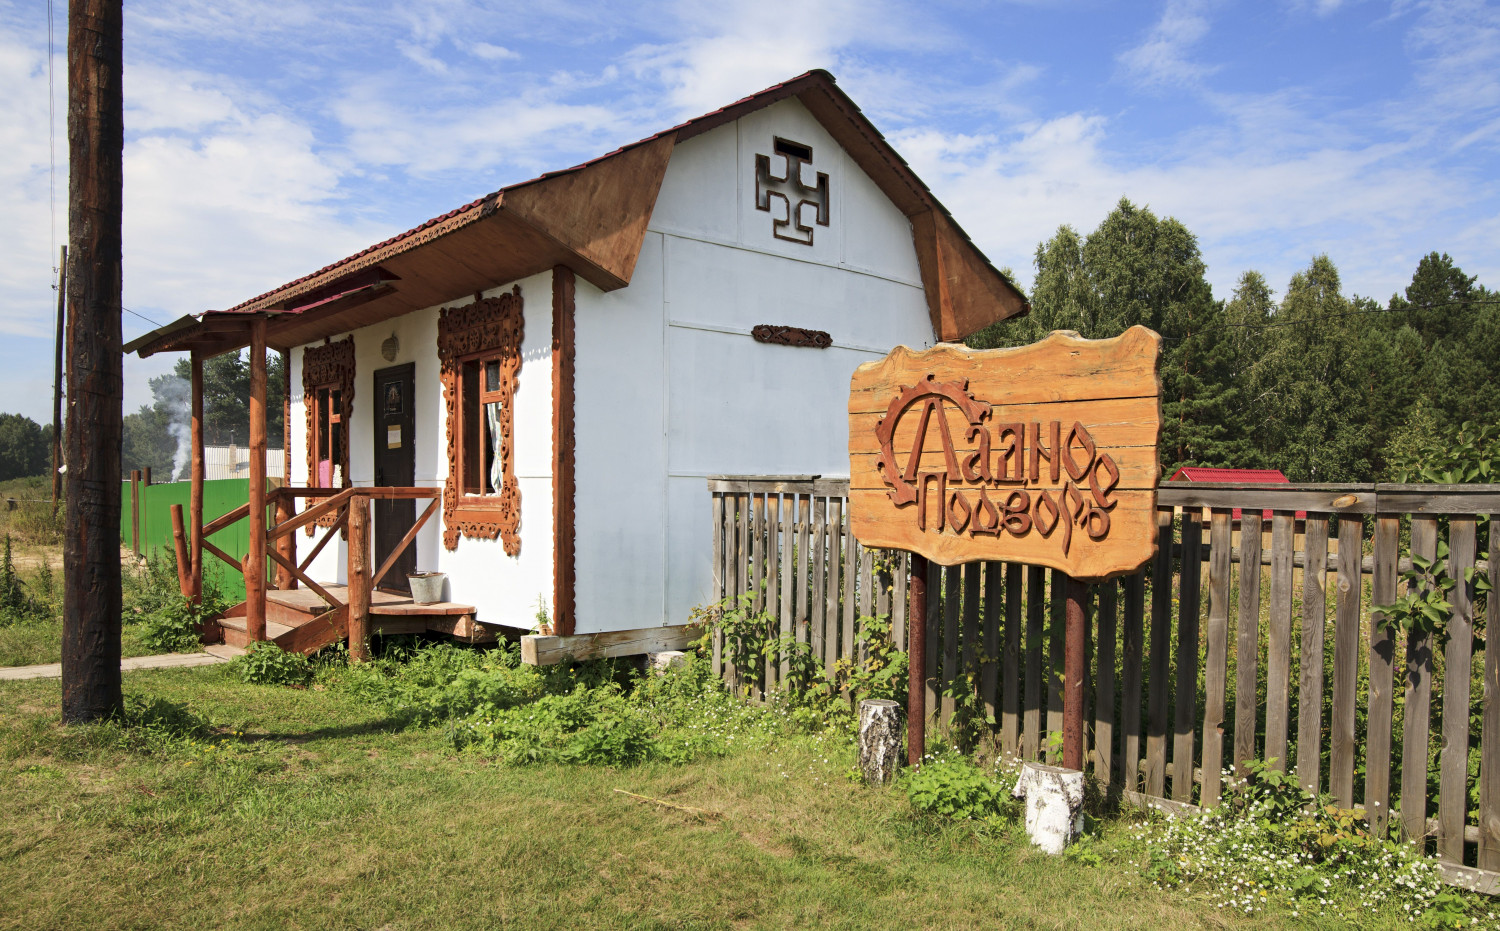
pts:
[35, 642]
[312, 809]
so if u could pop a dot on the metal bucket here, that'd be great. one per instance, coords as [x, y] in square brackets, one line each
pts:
[427, 587]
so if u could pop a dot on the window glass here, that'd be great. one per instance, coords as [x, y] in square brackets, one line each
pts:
[472, 425]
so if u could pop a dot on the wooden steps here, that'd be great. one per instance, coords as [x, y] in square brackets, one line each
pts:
[298, 620]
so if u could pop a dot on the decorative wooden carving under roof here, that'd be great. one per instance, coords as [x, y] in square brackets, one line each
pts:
[331, 364]
[488, 326]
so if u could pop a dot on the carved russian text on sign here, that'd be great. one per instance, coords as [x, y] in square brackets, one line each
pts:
[1043, 454]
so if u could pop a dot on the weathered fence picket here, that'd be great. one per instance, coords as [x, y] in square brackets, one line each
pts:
[1165, 713]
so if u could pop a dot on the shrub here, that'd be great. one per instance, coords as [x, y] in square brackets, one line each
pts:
[593, 713]
[153, 598]
[268, 664]
[953, 787]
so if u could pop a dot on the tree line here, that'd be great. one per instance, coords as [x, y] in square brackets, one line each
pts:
[1323, 385]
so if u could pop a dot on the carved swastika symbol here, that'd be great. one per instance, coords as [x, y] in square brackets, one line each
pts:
[792, 191]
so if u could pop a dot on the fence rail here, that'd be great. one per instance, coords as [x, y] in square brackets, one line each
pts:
[1190, 670]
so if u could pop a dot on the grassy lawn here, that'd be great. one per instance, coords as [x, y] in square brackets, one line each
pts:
[313, 809]
[40, 641]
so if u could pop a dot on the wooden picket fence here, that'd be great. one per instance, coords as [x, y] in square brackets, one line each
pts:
[1167, 663]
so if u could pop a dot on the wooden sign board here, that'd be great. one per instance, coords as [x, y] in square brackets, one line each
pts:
[1043, 454]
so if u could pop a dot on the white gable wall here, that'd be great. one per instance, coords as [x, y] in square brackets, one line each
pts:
[503, 589]
[670, 386]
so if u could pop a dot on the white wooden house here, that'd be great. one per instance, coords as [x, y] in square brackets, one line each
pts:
[561, 364]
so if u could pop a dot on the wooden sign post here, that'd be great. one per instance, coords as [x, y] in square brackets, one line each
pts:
[1043, 454]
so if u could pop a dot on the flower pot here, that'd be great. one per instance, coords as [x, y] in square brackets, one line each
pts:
[427, 587]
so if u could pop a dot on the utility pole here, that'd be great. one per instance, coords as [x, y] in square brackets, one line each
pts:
[91, 551]
[57, 377]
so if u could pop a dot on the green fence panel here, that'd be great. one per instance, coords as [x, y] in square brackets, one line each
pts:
[219, 498]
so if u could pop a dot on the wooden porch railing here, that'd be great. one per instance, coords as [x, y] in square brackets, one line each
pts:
[1271, 651]
[279, 544]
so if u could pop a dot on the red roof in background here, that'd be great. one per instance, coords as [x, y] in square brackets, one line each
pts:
[1206, 474]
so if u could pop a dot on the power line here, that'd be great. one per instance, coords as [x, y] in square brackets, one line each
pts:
[51, 128]
[141, 315]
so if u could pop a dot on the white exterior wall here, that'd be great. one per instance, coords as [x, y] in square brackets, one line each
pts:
[503, 589]
[670, 386]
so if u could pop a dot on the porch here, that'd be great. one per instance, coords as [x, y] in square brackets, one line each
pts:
[283, 603]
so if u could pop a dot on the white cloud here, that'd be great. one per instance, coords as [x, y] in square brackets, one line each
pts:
[490, 52]
[1162, 58]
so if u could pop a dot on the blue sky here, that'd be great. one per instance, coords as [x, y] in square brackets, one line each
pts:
[265, 140]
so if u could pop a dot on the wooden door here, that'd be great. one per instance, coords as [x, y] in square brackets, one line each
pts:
[395, 465]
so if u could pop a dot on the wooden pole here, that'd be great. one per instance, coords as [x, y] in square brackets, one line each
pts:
[916, 663]
[1073, 674]
[135, 512]
[195, 493]
[91, 549]
[146, 476]
[57, 377]
[255, 555]
[179, 542]
[359, 579]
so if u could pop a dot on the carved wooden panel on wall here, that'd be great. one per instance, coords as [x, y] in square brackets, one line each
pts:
[328, 366]
[1043, 454]
[489, 327]
[791, 336]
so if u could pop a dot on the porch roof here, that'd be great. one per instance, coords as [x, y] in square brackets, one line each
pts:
[591, 217]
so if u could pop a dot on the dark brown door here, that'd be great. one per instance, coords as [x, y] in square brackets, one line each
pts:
[395, 465]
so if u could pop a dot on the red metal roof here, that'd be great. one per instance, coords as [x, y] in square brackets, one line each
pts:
[1206, 474]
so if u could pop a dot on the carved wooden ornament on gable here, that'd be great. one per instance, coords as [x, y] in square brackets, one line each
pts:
[493, 325]
[792, 190]
[1042, 454]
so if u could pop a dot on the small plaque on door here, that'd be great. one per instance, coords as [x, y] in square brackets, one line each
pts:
[393, 437]
[393, 399]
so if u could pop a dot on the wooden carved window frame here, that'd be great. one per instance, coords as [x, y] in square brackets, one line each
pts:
[488, 328]
[329, 366]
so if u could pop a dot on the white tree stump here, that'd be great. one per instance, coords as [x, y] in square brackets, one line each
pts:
[881, 727]
[659, 663]
[1054, 805]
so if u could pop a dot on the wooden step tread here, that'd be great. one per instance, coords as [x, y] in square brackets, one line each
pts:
[384, 603]
[223, 650]
[273, 629]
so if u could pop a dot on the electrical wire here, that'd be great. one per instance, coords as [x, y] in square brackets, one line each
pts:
[141, 315]
[51, 129]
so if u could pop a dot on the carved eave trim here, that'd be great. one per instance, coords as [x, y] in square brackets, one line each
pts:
[495, 324]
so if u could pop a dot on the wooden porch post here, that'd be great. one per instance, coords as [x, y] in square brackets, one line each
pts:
[286, 544]
[195, 494]
[359, 579]
[255, 556]
[286, 506]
